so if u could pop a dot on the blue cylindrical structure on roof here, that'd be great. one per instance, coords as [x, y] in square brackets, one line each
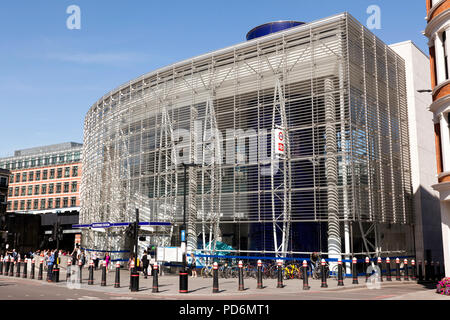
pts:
[271, 27]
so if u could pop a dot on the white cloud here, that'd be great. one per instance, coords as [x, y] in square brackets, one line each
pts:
[98, 58]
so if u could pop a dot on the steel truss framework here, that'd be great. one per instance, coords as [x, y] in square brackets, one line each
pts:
[337, 92]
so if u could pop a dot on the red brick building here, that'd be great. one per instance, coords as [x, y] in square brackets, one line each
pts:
[438, 33]
[45, 181]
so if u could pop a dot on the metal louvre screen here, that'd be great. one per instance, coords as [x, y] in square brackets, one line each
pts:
[380, 146]
[334, 89]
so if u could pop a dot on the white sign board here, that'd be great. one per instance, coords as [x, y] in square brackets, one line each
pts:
[279, 143]
[169, 254]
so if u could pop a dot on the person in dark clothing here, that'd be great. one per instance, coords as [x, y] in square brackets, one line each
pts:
[145, 263]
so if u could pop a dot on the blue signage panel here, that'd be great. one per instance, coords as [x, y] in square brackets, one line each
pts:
[183, 235]
[118, 224]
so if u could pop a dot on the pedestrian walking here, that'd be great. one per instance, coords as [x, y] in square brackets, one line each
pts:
[95, 258]
[50, 262]
[107, 260]
[193, 266]
[145, 263]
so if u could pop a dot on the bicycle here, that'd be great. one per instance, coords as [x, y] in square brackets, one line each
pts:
[292, 271]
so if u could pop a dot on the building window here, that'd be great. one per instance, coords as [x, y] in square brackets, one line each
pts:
[57, 202]
[36, 189]
[75, 171]
[38, 175]
[16, 192]
[53, 159]
[44, 174]
[35, 204]
[61, 158]
[52, 173]
[66, 187]
[73, 201]
[444, 44]
[51, 188]
[59, 175]
[46, 161]
[17, 177]
[10, 192]
[23, 191]
[30, 176]
[76, 156]
[3, 182]
[28, 204]
[74, 186]
[50, 203]
[2, 198]
[16, 205]
[9, 206]
[67, 172]
[30, 190]
[65, 202]
[33, 162]
[22, 205]
[42, 204]
[24, 177]
[44, 189]
[58, 188]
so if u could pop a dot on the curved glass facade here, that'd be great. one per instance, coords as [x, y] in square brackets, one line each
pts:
[333, 90]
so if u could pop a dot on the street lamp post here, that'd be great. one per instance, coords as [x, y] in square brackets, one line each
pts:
[184, 234]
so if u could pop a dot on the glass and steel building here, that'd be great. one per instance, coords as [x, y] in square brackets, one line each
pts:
[299, 140]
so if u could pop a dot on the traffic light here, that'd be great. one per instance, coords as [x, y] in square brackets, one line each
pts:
[130, 231]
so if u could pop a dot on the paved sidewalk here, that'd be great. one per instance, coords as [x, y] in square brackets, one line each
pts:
[202, 287]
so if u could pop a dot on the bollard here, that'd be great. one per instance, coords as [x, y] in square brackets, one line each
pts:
[215, 278]
[80, 265]
[438, 271]
[259, 275]
[19, 261]
[380, 266]
[11, 268]
[91, 273]
[69, 269]
[432, 274]
[117, 282]
[55, 273]
[1, 265]
[305, 275]
[134, 278]
[397, 264]
[25, 267]
[413, 271]
[340, 269]
[241, 276]
[155, 288]
[324, 275]
[131, 272]
[6, 263]
[420, 271]
[32, 268]
[103, 282]
[427, 271]
[41, 269]
[367, 262]
[280, 274]
[354, 271]
[405, 263]
[388, 269]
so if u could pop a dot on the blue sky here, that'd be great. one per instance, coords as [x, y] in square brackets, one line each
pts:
[50, 75]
